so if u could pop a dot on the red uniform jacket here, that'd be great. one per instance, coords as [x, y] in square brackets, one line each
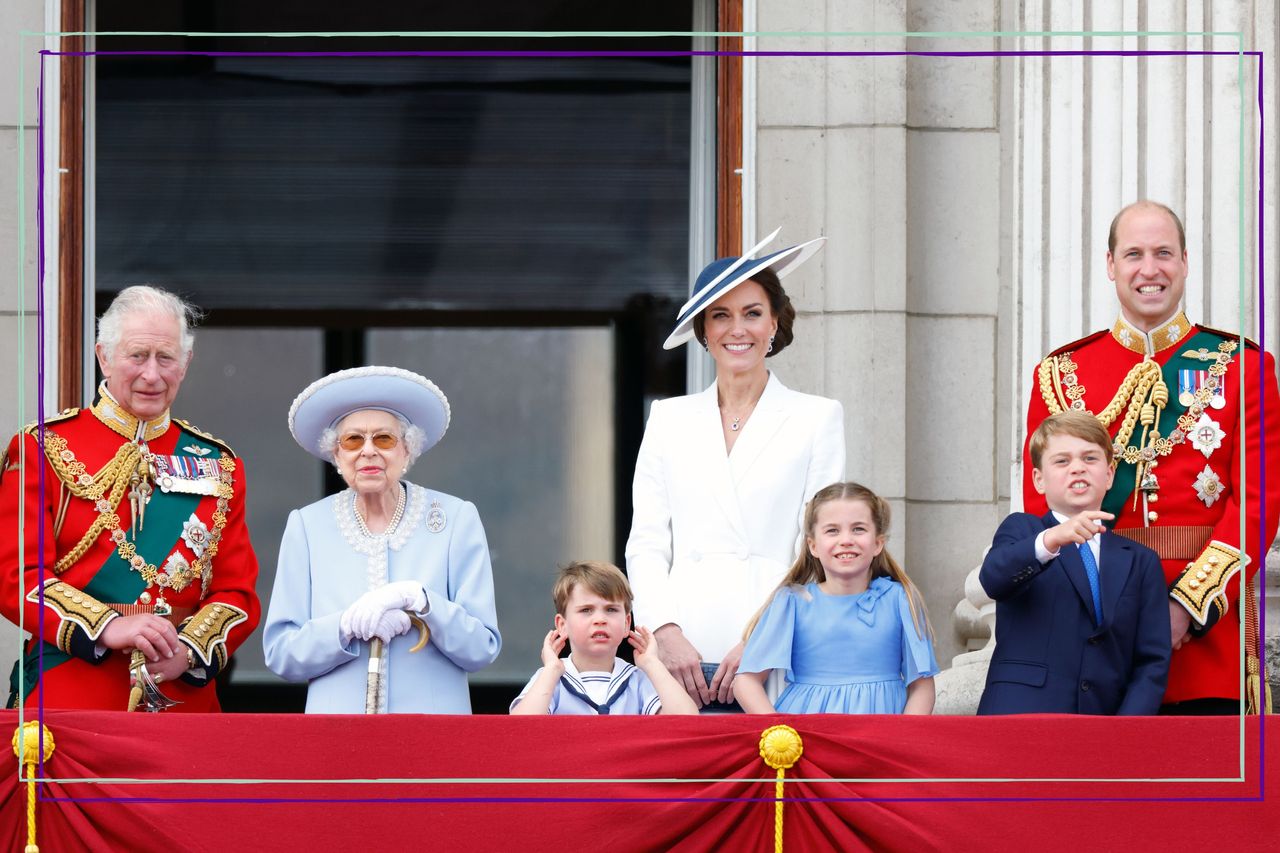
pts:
[1194, 520]
[216, 608]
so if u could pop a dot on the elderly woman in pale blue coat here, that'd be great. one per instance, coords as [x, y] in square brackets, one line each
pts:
[381, 558]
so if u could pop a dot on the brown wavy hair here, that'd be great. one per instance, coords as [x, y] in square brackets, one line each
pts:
[808, 568]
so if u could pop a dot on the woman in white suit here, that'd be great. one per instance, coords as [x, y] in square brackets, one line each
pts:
[723, 476]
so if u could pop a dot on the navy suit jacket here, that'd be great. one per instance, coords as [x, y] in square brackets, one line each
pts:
[1050, 658]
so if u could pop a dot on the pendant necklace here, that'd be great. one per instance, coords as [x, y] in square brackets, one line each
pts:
[736, 423]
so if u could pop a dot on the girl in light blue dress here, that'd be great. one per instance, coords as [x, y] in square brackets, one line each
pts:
[846, 626]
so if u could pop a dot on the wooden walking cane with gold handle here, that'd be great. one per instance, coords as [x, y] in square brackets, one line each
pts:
[377, 660]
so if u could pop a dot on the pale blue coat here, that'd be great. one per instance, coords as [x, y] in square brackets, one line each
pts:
[321, 573]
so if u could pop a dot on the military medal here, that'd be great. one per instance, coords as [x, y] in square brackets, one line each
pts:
[1208, 486]
[1189, 381]
[1206, 436]
[188, 475]
[435, 517]
[195, 534]
[198, 450]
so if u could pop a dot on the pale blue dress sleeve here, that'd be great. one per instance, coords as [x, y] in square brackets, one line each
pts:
[917, 652]
[464, 622]
[298, 645]
[769, 646]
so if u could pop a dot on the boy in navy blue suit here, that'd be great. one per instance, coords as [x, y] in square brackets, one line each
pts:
[1082, 616]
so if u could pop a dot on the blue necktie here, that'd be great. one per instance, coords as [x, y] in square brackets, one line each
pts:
[1095, 585]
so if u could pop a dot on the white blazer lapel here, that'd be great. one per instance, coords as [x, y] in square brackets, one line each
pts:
[770, 414]
[709, 438]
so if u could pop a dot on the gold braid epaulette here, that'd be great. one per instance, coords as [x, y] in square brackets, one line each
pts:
[216, 442]
[1062, 390]
[104, 489]
[33, 428]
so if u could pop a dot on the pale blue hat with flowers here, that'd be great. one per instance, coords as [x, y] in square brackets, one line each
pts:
[389, 389]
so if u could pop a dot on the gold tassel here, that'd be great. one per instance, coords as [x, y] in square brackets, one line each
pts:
[780, 747]
[1257, 691]
[27, 740]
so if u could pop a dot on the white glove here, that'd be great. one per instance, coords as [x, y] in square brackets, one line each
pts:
[358, 614]
[401, 595]
[392, 624]
[360, 620]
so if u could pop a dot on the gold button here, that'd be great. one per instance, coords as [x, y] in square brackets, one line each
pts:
[1213, 561]
[1152, 515]
[95, 609]
[144, 598]
[1194, 583]
[1153, 497]
[1202, 574]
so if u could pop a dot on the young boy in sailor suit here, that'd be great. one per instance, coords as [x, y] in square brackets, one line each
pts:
[1082, 625]
[593, 615]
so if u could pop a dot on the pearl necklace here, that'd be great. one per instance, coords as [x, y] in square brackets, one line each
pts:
[395, 517]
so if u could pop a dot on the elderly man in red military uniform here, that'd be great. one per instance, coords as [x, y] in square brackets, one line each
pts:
[1184, 404]
[132, 570]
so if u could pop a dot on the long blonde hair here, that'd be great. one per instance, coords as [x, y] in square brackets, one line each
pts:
[808, 568]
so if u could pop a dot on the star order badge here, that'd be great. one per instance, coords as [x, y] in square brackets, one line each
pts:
[175, 565]
[1206, 436]
[195, 534]
[1208, 486]
[435, 518]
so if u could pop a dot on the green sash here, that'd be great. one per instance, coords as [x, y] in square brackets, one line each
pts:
[1126, 472]
[115, 580]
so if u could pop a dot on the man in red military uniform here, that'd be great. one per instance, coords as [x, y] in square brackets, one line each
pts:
[133, 564]
[1184, 404]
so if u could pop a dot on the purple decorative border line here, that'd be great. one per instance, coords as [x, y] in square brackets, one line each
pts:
[1264, 546]
[565, 54]
[41, 568]
[490, 800]
[638, 54]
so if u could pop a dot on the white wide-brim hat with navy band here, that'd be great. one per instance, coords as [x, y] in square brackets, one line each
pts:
[724, 274]
[388, 389]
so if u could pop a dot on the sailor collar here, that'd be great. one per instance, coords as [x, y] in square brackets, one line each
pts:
[120, 420]
[1166, 335]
